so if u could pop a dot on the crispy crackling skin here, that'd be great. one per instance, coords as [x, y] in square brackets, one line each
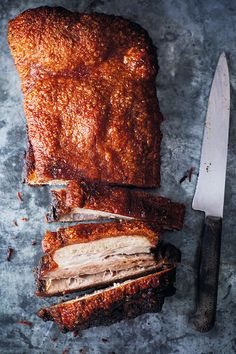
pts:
[127, 300]
[81, 233]
[89, 97]
[122, 201]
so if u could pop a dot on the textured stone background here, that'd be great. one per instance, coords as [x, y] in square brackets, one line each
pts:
[189, 35]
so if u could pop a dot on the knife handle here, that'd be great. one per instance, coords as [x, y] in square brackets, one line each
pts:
[208, 272]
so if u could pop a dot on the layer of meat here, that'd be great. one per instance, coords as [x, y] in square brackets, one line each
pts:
[104, 261]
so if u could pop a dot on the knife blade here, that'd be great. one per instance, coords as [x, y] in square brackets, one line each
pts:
[209, 195]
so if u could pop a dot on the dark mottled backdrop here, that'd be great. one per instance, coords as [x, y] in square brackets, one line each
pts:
[189, 35]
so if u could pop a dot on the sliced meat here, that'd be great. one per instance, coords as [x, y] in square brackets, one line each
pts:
[91, 255]
[101, 262]
[83, 201]
[126, 300]
[83, 233]
[83, 214]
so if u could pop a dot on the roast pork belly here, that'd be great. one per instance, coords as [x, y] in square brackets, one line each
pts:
[124, 300]
[85, 233]
[96, 201]
[101, 258]
[89, 97]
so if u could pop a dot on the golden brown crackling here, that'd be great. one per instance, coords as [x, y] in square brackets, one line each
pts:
[103, 306]
[46, 265]
[117, 200]
[89, 97]
[91, 232]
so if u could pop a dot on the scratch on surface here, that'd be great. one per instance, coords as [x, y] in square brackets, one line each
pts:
[21, 117]
[227, 292]
[46, 335]
[180, 337]
[27, 340]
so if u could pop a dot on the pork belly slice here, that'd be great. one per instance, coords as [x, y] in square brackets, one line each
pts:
[126, 300]
[85, 233]
[89, 97]
[93, 201]
[65, 272]
[100, 259]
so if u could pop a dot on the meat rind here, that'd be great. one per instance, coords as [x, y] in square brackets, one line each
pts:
[121, 202]
[89, 97]
[126, 300]
[90, 232]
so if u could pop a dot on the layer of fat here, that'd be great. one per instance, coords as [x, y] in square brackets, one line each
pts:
[104, 247]
[113, 253]
[91, 214]
[97, 262]
[53, 182]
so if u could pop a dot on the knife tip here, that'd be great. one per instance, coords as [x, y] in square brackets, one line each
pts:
[222, 56]
[222, 62]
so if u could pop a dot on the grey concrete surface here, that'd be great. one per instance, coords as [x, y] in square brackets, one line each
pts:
[189, 35]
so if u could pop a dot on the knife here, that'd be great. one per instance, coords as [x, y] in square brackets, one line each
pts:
[209, 196]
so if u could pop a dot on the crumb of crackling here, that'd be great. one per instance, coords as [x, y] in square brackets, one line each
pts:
[9, 253]
[25, 323]
[20, 197]
[187, 175]
[53, 339]
[65, 351]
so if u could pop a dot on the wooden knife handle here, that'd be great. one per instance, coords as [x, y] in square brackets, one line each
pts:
[208, 272]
